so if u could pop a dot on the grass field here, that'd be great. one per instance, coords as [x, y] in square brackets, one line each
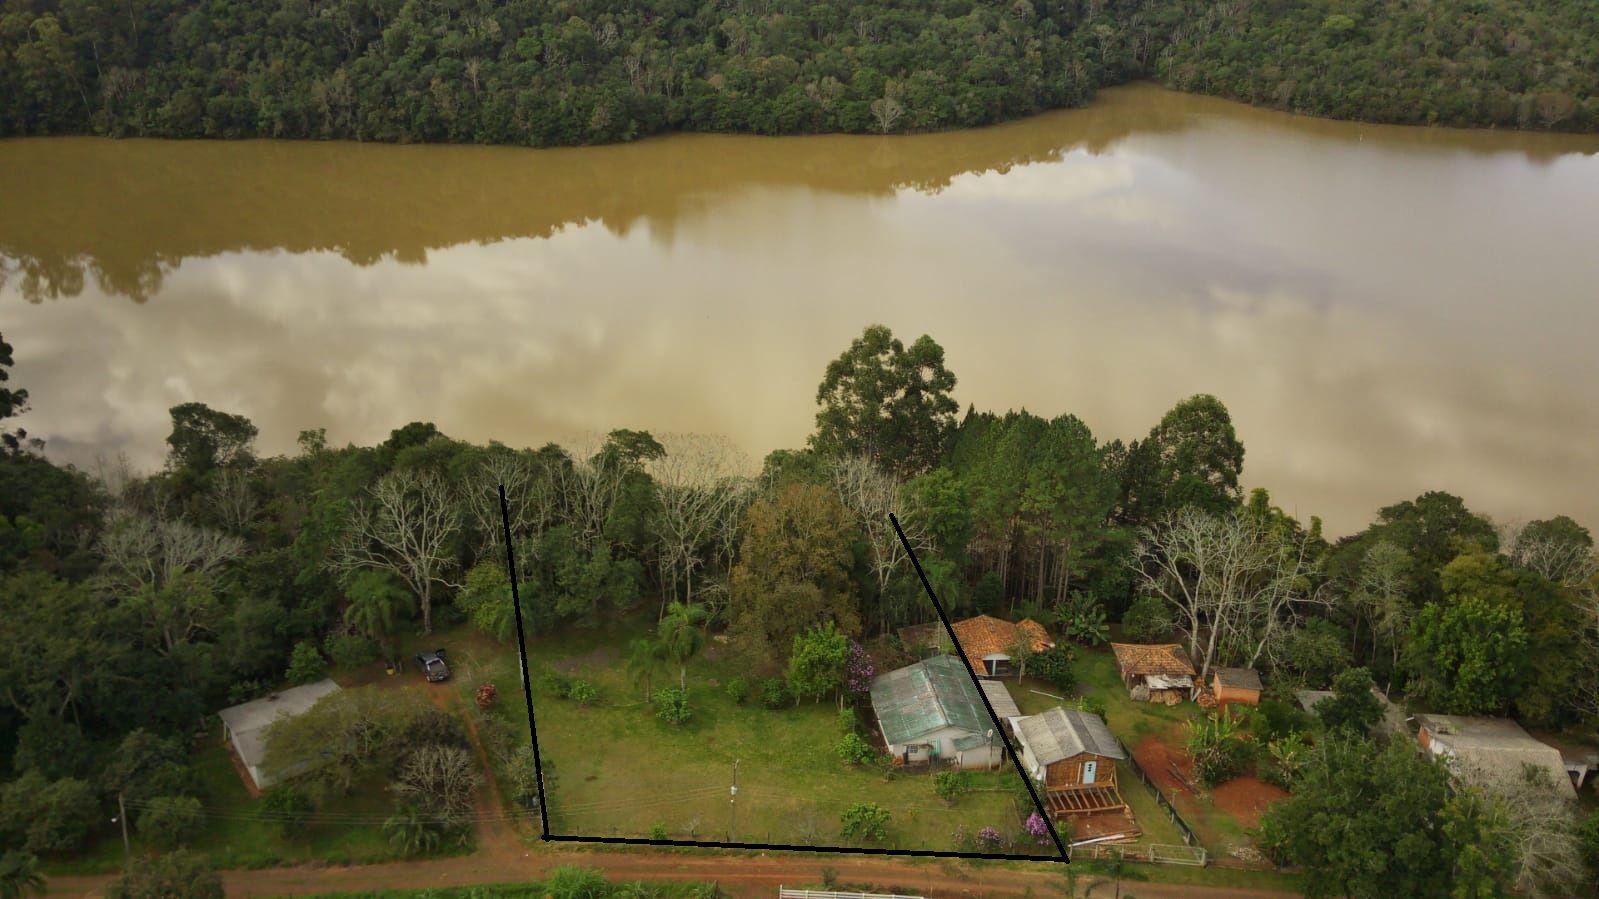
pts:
[619, 771]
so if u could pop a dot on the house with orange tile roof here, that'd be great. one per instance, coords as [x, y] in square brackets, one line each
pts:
[988, 642]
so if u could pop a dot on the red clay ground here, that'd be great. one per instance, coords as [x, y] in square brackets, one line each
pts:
[1246, 798]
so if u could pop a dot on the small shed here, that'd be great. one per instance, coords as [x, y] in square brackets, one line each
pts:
[1155, 672]
[1240, 686]
[244, 726]
[1073, 755]
[931, 711]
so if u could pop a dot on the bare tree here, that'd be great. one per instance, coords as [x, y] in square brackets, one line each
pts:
[1234, 579]
[1538, 821]
[405, 527]
[1567, 562]
[233, 499]
[1380, 593]
[529, 498]
[164, 568]
[441, 780]
[588, 492]
[871, 494]
[698, 480]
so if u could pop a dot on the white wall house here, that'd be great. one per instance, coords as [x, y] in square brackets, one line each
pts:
[244, 726]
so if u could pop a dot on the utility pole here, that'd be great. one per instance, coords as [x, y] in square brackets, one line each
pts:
[732, 807]
[122, 816]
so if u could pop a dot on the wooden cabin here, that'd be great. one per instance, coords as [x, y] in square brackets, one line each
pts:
[1235, 686]
[1155, 672]
[1072, 755]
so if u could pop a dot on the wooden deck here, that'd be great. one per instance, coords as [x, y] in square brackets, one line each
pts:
[1084, 801]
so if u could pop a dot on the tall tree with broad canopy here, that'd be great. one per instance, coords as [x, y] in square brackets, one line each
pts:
[203, 438]
[1368, 822]
[887, 402]
[1470, 649]
[681, 633]
[793, 569]
[1191, 458]
[13, 400]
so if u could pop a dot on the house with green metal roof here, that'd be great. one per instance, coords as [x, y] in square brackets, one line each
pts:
[931, 712]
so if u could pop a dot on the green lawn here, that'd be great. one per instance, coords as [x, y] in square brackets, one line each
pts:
[619, 771]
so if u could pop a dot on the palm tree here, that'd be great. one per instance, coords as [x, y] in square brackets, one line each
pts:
[19, 874]
[375, 603]
[682, 635]
[644, 657]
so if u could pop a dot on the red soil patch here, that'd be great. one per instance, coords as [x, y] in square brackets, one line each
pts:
[1158, 760]
[1246, 798]
[1103, 824]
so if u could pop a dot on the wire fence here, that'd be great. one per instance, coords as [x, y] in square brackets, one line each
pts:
[1189, 836]
[1156, 853]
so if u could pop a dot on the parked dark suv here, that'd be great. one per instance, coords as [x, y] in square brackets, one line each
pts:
[433, 665]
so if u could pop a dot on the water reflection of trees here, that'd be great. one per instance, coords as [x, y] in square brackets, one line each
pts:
[125, 213]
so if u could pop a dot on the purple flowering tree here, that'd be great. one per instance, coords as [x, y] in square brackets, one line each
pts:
[1037, 827]
[858, 669]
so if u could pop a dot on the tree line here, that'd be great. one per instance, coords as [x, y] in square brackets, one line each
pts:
[585, 71]
[141, 603]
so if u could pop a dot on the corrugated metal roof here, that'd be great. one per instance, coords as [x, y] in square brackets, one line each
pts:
[1000, 699]
[914, 701]
[1062, 733]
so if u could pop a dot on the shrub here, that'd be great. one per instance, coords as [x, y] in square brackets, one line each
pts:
[658, 832]
[854, 749]
[571, 882]
[865, 821]
[172, 875]
[1037, 828]
[847, 722]
[486, 695]
[40, 815]
[1273, 720]
[350, 650]
[1147, 620]
[522, 774]
[552, 681]
[738, 689]
[774, 693]
[439, 728]
[1219, 752]
[1093, 705]
[1283, 761]
[671, 706]
[1352, 706]
[989, 838]
[409, 832]
[858, 670]
[171, 821]
[951, 785]
[306, 664]
[1055, 666]
[440, 781]
[582, 692]
[287, 808]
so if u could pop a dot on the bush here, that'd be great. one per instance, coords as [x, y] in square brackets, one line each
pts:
[582, 692]
[951, 785]
[774, 693]
[865, 821]
[990, 839]
[1274, 720]
[853, 749]
[409, 832]
[173, 875]
[847, 722]
[439, 728]
[521, 773]
[486, 695]
[671, 706]
[306, 664]
[1147, 620]
[1220, 753]
[571, 882]
[1352, 706]
[350, 650]
[1055, 666]
[287, 808]
[40, 815]
[552, 681]
[738, 689]
[658, 832]
[1093, 705]
[171, 821]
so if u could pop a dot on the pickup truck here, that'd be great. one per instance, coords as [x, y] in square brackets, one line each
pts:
[433, 666]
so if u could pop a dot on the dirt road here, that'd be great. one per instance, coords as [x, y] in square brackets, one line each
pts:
[741, 875]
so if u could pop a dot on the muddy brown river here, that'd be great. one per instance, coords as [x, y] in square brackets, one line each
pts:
[1385, 310]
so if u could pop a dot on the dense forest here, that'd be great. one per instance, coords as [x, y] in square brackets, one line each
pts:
[136, 605]
[593, 71]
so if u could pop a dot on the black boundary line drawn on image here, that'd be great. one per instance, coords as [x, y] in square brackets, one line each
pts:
[538, 762]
